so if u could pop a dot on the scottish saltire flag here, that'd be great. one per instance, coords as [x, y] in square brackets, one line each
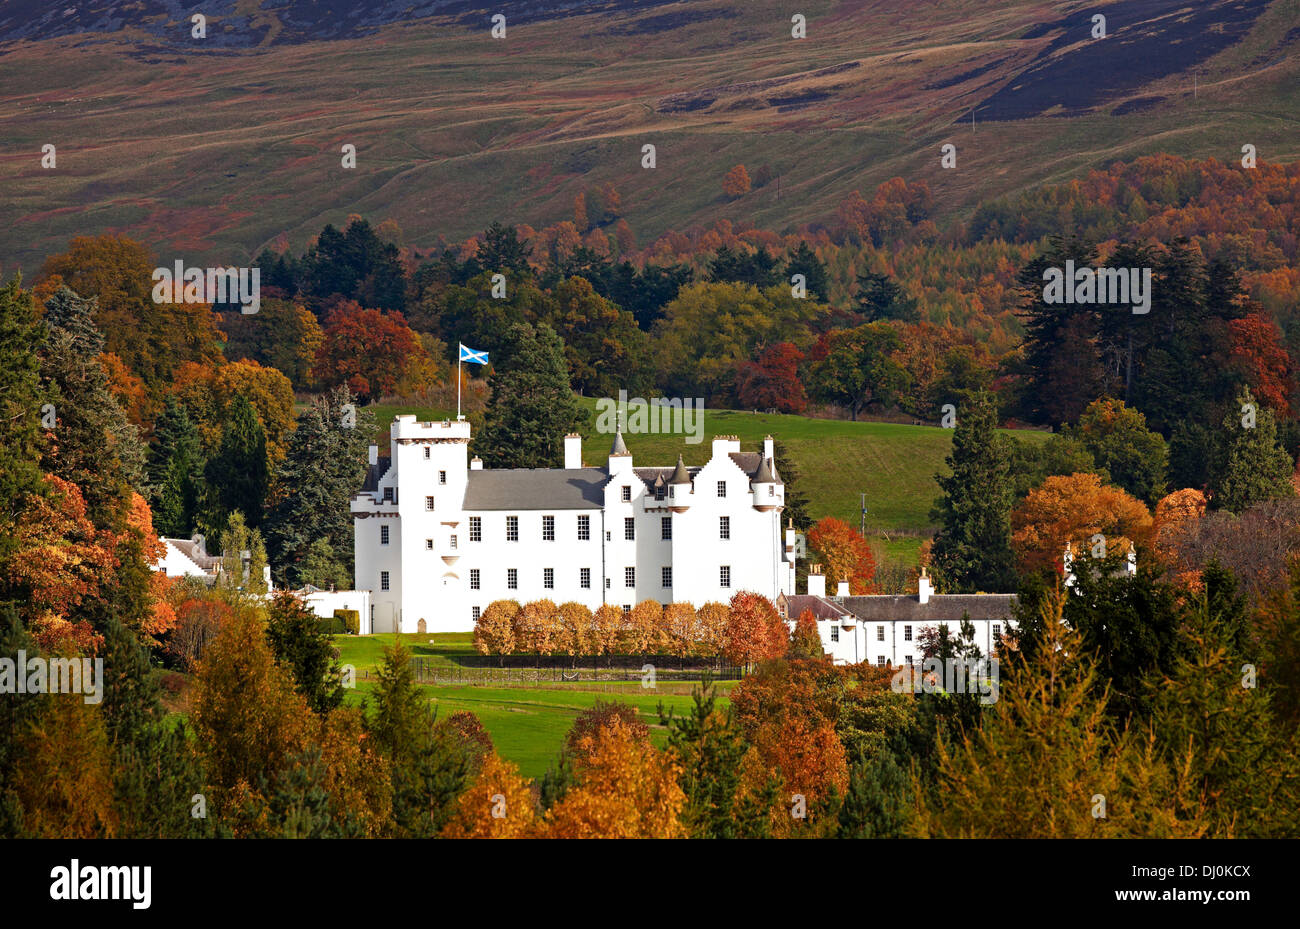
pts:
[473, 357]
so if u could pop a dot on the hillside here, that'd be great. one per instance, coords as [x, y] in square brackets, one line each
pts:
[211, 149]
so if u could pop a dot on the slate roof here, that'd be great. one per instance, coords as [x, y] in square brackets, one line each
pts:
[536, 489]
[374, 473]
[190, 549]
[821, 607]
[750, 463]
[942, 608]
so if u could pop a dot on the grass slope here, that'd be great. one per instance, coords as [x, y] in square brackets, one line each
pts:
[209, 153]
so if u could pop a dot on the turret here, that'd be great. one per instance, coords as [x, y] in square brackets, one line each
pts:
[767, 488]
[680, 488]
[620, 459]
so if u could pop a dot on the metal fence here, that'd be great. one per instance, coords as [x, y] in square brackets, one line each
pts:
[561, 669]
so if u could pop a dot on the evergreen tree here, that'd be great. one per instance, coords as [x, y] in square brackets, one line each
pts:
[429, 770]
[324, 466]
[803, 260]
[20, 435]
[502, 251]
[972, 550]
[880, 297]
[17, 712]
[175, 472]
[1117, 437]
[532, 406]
[292, 633]
[759, 267]
[796, 501]
[238, 474]
[878, 804]
[709, 746]
[1257, 467]
[322, 569]
[94, 445]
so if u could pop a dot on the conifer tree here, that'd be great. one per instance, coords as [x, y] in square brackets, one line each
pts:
[175, 472]
[972, 550]
[878, 804]
[324, 467]
[1257, 467]
[20, 414]
[313, 661]
[532, 406]
[238, 474]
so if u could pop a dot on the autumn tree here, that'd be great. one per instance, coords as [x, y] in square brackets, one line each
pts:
[371, 352]
[846, 555]
[806, 641]
[772, 382]
[1118, 439]
[755, 631]
[496, 805]
[494, 633]
[736, 184]
[1074, 509]
[623, 788]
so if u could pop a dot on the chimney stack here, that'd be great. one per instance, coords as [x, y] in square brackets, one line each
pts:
[476, 463]
[816, 581]
[572, 451]
[843, 589]
[374, 455]
[924, 588]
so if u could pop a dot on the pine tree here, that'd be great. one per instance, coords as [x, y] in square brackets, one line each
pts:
[93, 444]
[324, 466]
[17, 712]
[238, 474]
[1257, 468]
[175, 472]
[20, 436]
[972, 550]
[309, 655]
[532, 406]
[803, 260]
[878, 804]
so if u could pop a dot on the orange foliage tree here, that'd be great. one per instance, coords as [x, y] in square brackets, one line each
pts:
[624, 789]
[497, 805]
[846, 554]
[736, 183]
[494, 633]
[1073, 508]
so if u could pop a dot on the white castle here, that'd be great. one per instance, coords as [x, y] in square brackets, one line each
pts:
[439, 537]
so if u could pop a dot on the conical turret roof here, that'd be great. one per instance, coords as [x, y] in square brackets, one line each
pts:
[620, 447]
[680, 475]
[765, 475]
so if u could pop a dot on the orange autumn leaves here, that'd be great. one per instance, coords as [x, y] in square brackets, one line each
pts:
[1074, 508]
[63, 560]
[624, 788]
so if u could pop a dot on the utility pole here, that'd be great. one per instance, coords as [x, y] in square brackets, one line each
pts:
[862, 526]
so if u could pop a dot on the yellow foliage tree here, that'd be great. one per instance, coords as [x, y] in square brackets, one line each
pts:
[624, 789]
[494, 633]
[497, 805]
[1074, 508]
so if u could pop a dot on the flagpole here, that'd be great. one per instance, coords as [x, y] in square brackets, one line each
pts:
[458, 353]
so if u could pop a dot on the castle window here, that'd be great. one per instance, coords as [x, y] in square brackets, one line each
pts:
[548, 578]
[453, 542]
[667, 576]
[908, 659]
[512, 578]
[475, 612]
[608, 583]
[722, 488]
[880, 661]
[835, 632]
[388, 495]
[442, 477]
[629, 577]
[383, 580]
[907, 633]
[428, 503]
[548, 528]
[666, 528]
[771, 490]
[724, 527]
[383, 535]
[426, 453]
[880, 633]
[584, 528]
[629, 529]
[584, 578]
[428, 544]
[724, 576]
[476, 528]
[627, 494]
[474, 579]
[997, 629]
[512, 528]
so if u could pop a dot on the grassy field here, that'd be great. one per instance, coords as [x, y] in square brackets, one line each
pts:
[527, 723]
